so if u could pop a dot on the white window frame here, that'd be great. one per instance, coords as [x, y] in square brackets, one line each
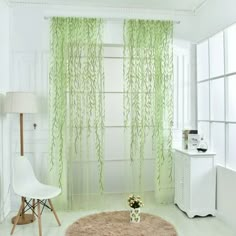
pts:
[225, 76]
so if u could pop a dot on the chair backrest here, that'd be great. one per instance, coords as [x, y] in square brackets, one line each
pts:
[23, 175]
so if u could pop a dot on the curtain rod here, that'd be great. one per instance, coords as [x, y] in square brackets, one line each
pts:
[112, 19]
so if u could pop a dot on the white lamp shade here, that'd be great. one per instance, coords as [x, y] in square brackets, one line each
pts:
[20, 102]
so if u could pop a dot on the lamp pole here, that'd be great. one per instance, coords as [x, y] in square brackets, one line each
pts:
[21, 135]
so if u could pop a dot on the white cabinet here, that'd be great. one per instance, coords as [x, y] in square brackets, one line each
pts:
[195, 182]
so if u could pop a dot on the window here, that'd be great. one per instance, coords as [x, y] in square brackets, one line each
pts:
[216, 84]
[183, 118]
[116, 140]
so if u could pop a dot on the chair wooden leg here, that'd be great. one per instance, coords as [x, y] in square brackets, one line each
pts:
[39, 218]
[54, 212]
[18, 215]
[33, 208]
[23, 202]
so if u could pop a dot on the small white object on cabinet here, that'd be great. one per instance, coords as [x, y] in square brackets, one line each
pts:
[195, 182]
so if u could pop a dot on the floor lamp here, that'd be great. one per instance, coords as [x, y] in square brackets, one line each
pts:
[21, 103]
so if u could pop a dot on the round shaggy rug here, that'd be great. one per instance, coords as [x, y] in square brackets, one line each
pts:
[117, 223]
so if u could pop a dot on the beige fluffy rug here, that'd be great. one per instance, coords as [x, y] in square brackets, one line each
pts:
[117, 223]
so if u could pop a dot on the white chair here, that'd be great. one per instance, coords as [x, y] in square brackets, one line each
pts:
[26, 185]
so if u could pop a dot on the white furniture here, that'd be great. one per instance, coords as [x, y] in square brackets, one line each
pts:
[26, 185]
[195, 182]
[20, 103]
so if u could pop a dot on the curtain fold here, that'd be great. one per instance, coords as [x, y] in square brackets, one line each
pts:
[76, 104]
[148, 100]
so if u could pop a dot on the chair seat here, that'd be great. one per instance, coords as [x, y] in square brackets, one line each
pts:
[39, 191]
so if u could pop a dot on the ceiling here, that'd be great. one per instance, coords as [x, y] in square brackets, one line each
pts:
[165, 5]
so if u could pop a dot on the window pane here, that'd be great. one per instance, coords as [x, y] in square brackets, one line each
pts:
[187, 93]
[216, 55]
[217, 99]
[180, 96]
[203, 131]
[113, 70]
[114, 109]
[116, 176]
[202, 61]
[114, 144]
[218, 142]
[231, 160]
[231, 98]
[113, 51]
[230, 40]
[203, 101]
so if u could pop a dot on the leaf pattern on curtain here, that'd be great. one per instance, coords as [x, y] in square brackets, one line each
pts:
[148, 93]
[75, 93]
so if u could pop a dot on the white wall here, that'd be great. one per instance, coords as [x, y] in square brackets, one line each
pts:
[226, 195]
[29, 72]
[30, 49]
[211, 18]
[4, 82]
[215, 117]
[4, 46]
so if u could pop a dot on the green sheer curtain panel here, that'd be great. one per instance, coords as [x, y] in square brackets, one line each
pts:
[148, 99]
[76, 107]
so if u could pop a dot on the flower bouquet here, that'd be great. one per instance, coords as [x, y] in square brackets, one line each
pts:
[135, 203]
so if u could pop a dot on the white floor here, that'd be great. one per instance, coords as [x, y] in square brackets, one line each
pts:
[199, 226]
